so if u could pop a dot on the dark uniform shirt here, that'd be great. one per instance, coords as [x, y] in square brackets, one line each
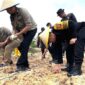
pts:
[69, 16]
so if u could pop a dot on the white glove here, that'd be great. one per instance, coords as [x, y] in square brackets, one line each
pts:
[13, 37]
[73, 40]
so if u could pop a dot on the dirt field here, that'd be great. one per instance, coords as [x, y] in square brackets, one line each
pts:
[40, 74]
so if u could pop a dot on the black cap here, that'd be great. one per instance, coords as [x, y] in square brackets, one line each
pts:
[60, 11]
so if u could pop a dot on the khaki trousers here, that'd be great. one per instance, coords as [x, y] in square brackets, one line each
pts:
[9, 49]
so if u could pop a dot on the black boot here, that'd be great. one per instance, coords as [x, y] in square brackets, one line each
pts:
[75, 71]
[67, 68]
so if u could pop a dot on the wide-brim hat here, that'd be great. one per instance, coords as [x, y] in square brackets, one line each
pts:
[44, 36]
[60, 11]
[7, 4]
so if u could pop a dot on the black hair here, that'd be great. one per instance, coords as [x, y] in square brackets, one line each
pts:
[42, 29]
[48, 24]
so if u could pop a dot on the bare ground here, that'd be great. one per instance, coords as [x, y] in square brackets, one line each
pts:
[40, 74]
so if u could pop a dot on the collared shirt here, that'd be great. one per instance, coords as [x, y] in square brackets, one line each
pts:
[22, 18]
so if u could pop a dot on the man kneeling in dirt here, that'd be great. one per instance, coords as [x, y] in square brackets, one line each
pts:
[4, 33]
[8, 42]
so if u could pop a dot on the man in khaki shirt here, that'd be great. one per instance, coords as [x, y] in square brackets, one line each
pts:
[24, 28]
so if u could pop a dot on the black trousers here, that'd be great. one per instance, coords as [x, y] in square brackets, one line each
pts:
[42, 50]
[56, 51]
[42, 47]
[79, 47]
[24, 47]
[70, 54]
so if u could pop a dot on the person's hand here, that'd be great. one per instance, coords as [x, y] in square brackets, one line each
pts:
[56, 68]
[12, 37]
[73, 40]
[17, 34]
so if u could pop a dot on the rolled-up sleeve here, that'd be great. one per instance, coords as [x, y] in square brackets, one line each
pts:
[28, 19]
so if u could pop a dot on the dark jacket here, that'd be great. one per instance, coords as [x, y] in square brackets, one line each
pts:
[66, 34]
[70, 16]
